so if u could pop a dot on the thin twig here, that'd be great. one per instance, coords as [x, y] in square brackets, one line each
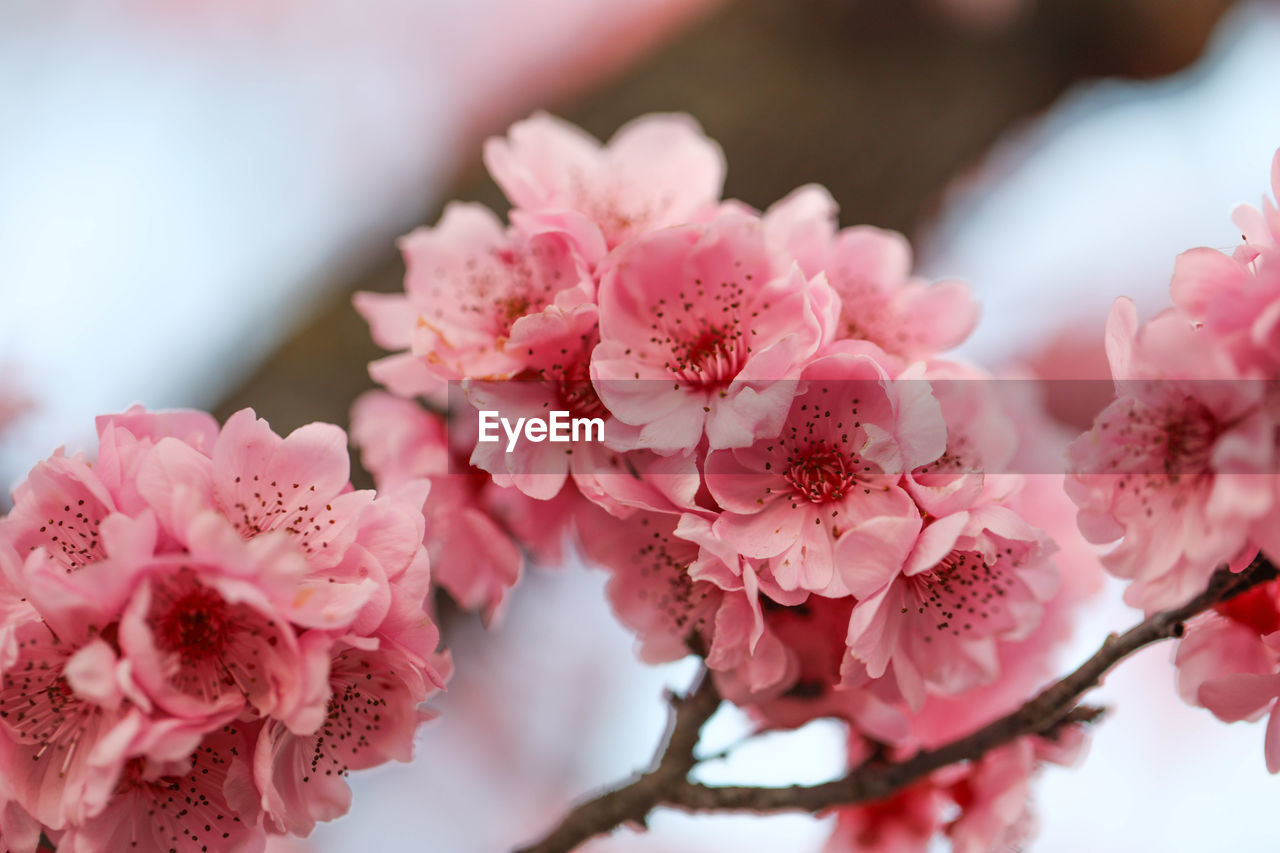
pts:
[632, 801]
[667, 784]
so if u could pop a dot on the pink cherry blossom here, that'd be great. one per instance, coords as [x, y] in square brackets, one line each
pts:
[870, 271]
[697, 325]
[681, 591]
[779, 653]
[167, 601]
[804, 223]
[750, 661]
[298, 485]
[982, 441]
[295, 489]
[935, 608]
[837, 460]
[1229, 662]
[819, 681]
[556, 347]
[1171, 465]
[205, 801]
[469, 284]
[1026, 663]
[124, 441]
[371, 716]
[657, 171]
[474, 558]
[59, 508]
[51, 733]
[203, 644]
[1237, 302]
[881, 302]
[1261, 228]
[650, 587]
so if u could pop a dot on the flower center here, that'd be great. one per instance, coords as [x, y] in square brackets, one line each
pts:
[961, 593]
[513, 308]
[819, 473]
[195, 624]
[711, 358]
[578, 394]
[1189, 435]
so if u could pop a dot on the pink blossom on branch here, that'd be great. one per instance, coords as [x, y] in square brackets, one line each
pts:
[1172, 467]
[979, 806]
[791, 484]
[475, 559]
[1236, 300]
[1261, 228]
[1229, 662]
[835, 461]
[1181, 468]
[935, 609]
[870, 270]
[657, 171]
[699, 327]
[470, 285]
[190, 592]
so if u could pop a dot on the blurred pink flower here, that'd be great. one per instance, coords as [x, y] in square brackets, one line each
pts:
[905, 822]
[870, 270]
[470, 284]
[1229, 662]
[473, 557]
[1261, 228]
[982, 805]
[372, 715]
[1236, 300]
[657, 171]
[1171, 466]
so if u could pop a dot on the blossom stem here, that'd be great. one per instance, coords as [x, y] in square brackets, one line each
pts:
[668, 785]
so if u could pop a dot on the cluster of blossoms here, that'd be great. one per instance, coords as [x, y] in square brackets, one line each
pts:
[203, 631]
[791, 482]
[1181, 467]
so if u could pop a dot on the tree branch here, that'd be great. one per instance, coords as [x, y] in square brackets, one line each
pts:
[1037, 716]
[668, 783]
[632, 802]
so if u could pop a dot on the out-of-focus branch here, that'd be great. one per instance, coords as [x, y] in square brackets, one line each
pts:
[1057, 705]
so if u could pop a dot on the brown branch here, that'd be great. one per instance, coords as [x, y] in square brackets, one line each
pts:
[1038, 716]
[632, 801]
[668, 783]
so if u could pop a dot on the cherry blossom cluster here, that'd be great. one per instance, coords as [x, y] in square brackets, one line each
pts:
[792, 484]
[1181, 467]
[204, 630]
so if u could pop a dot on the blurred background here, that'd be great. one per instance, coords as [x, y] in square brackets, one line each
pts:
[189, 193]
